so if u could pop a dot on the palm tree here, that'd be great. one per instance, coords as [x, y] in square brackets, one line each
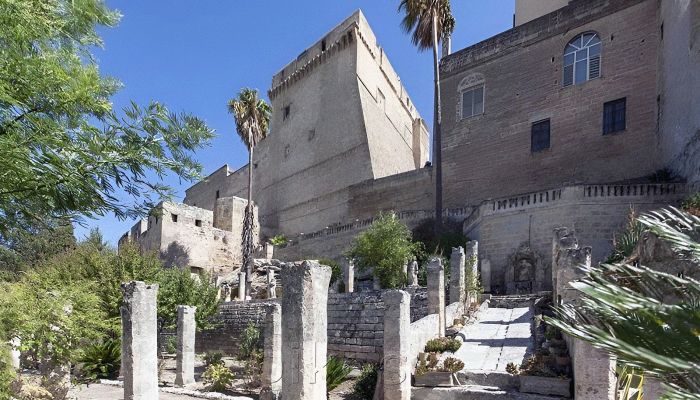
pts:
[649, 319]
[252, 116]
[429, 21]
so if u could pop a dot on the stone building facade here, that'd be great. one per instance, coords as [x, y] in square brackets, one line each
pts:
[582, 103]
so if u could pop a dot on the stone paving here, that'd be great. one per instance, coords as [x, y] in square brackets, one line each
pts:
[501, 336]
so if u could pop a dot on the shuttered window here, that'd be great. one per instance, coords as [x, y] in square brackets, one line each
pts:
[614, 116]
[473, 101]
[582, 59]
[540, 136]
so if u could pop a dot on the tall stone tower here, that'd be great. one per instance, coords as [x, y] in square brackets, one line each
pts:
[340, 117]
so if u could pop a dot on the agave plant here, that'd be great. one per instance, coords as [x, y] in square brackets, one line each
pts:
[649, 319]
[336, 372]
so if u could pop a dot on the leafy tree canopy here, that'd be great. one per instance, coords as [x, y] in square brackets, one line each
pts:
[64, 151]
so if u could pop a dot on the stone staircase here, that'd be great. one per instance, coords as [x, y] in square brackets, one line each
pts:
[500, 335]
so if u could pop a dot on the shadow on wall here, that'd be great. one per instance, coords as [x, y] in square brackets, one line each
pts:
[176, 255]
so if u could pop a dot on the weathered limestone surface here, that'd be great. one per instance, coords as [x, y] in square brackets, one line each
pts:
[14, 352]
[436, 292]
[349, 276]
[140, 341]
[271, 381]
[594, 372]
[486, 275]
[563, 239]
[271, 284]
[397, 321]
[241, 286]
[304, 323]
[413, 274]
[570, 263]
[186, 329]
[457, 275]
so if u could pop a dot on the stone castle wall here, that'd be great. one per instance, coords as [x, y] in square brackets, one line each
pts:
[595, 212]
[489, 155]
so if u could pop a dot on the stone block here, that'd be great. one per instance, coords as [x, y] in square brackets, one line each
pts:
[271, 382]
[594, 372]
[457, 276]
[397, 322]
[436, 292]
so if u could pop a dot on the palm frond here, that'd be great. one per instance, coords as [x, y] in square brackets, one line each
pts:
[252, 116]
[418, 21]
[649, 319]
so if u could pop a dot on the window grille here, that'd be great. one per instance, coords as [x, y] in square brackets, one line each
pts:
[614, 116]
[473, 101]
[540, 136]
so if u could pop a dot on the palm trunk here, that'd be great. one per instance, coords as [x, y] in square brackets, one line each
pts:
[249, 221]
[437, 137]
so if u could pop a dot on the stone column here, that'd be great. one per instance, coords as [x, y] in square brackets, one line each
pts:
[271, 380]
[397, 322]
[458, 290]
[15, 353]
[349, 276]
[472, 261]
[594, 372]
[140, 341]
[570, 263]
[241, 286]
[304, 324]
[486, 275]
[563, 239]
[271, 284]
[436, 292]
[186, 329]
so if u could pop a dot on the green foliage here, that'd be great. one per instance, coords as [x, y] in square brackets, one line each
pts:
[27, 244]
[417, 21]
[384, 247]
[178, 287]
[442, 244]
[692, 204]
[279, 240]
[253, 367]
[366, 382]
[336, 372]
[451, 364]
[336, 270]
[213, 357]
[171, 344]
[624, 243]
[250, 342]
[64, 152]
[647, 318]
[443, 344]
[7, 373]
[512, 369]
[101, 360]
[218, 377]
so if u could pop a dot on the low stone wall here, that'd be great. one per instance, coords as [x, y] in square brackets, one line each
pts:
[233, 318]
[421, 331]
[356, 323]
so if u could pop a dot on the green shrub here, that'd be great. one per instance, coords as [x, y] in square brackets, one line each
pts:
[213, 357]
[7, 373]
[253, 367]
[384, 247]
[336, 271]
[451, 364]
[366, 382]
[178, 287]
[250, 341]
[442, 244]
[336, 372]
[102, 361]
[279, 240]
[217, 377]
[171, 344]
[441, 345]
[692, 204]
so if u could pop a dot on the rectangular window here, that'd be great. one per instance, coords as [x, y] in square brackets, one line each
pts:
[614, 115]
[173, 217]
[285, 112]
[217, 194]
[381, 100]
[540, 136]
[323, 45]
[198, 222]
[473, 101]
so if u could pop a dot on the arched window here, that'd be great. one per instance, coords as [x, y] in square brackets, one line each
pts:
[582, 59]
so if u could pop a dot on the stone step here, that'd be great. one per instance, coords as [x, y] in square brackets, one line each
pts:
[474, 392]
[499, 379]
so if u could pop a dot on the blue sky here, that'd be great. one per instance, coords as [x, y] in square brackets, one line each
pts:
[195, 55]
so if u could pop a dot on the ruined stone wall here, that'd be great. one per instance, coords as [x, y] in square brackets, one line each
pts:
[233, 318]
[595, 212]
[679, 83]
[489, 155]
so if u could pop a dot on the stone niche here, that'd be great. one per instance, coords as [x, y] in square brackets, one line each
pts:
[525, 271]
